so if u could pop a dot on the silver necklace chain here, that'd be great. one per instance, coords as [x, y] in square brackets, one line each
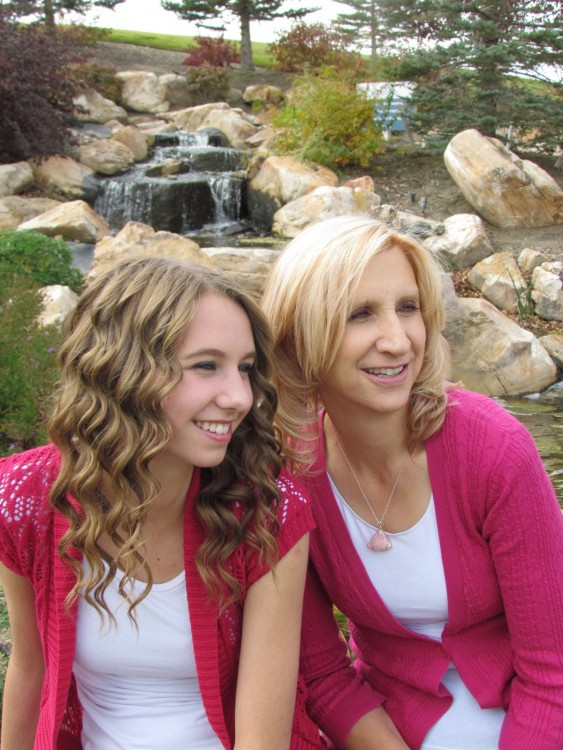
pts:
[379, 521]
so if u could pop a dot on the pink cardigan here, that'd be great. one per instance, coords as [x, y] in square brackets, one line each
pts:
[501, 535]
[29, 534]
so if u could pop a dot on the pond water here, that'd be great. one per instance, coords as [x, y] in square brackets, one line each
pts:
[544, 419]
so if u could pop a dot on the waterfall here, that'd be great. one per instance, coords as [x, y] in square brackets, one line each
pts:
[191, 182]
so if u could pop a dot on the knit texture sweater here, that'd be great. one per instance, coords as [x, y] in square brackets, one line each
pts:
[501, 538]
[29, 534]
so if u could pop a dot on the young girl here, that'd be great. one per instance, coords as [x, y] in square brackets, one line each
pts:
[152, 562]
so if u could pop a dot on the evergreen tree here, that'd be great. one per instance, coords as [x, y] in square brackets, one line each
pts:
[487, 64]
[362, 25]
[46, 10]
[208, 14]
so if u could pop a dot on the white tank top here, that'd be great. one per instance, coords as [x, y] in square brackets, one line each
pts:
[138, 686]
[410, 580]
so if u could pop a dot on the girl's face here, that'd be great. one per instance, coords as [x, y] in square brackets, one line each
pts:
[381, 354]
[214, 394]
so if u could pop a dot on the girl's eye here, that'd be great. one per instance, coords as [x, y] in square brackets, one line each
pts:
[208, 366]
[360, 314]
[246, 367]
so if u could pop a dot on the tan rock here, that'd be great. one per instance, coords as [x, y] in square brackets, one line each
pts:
[505, 190]
[264, 94]
[74, 221]
[499, 279]
[250, 266]
[192, 118]
[57, 302]
[135, 140]
[553, 344]
[547, 291]
[140, 240]
[15, 178]
[107, 156]
[91, 106]
[462, 243]
[62, 177]
[143, 92]
[14, 209]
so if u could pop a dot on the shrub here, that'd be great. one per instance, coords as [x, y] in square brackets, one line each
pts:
[217, 53]
[35, 93]
[208, 84]
[328, 121]
[313, 46]
[43, 260]
[28, 366]
[100, 77]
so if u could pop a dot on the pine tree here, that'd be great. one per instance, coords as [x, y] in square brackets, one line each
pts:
[483, 64]
[362, 25]
[208, 14]
[47, 10]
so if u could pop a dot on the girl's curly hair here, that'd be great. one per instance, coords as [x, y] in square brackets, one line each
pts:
[108, 424]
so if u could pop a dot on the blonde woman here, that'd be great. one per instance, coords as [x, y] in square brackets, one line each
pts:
[438, 533]
[153, 556]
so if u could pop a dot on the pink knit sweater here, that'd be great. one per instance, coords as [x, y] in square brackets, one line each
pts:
[501, 537]
[29, 534]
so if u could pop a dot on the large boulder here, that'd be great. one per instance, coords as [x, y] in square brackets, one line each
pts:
[143, 92]
[15, 178]
[280, 180]
[14, 209]
[91, 106]
[236, 127]
[491, 354]
[547, 291]
[462, 243]
[74, 221]
[140, 240]
[504, 189]
[249, 266]
[63, 177]
[322, 203]
[135, 140]
[499, 279]
[107, 156]
[192, 118]
[57, 301]
[176, 90]
[263, 94]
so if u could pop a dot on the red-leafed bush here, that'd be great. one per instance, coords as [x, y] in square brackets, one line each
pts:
[312, 46]
[35, 91]
[213, 52]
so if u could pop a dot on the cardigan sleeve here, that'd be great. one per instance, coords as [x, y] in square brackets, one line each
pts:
[523, 526]
[337, 695]
[295, 518]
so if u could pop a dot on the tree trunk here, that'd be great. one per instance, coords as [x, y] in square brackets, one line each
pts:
[49, 14]
[246, 62]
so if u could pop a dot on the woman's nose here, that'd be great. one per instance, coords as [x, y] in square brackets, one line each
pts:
[392, 336]
[236, 392]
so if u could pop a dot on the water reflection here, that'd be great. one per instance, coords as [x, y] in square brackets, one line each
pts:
[544, 419]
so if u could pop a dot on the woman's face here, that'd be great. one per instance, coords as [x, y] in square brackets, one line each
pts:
[381, 354]
[214, 394]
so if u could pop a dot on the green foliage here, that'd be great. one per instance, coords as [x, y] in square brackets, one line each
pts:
[43, 260]
[46, 10]
[208, 84]
[471, 60]
[28, 365]
[362, 24]
[313, 46]
[328, 121]
[102, 78]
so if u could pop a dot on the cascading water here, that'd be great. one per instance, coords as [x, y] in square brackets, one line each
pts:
[191, 183]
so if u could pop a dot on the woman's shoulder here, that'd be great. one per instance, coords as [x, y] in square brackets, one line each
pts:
[467, 408]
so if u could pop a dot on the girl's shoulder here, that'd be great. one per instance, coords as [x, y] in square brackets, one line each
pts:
[25, 514]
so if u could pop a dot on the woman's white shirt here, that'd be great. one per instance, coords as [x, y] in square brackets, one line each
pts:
[410, 580]
[138, 686]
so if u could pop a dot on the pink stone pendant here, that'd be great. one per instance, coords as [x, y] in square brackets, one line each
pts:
[379, 541]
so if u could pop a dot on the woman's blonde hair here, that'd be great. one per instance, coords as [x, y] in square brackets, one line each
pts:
[118, 362]
[308, 300]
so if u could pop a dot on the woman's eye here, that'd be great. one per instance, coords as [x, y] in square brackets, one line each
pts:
[360, 314]
[409, 307]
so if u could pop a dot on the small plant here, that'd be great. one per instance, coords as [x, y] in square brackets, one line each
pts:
[102, 78]
[28, 366]
[34, 256]
[311, 47]
[216, 53]
[208, 84]
[524, 301]
[328, 121]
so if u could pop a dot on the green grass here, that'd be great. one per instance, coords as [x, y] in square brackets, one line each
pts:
[180, 43]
